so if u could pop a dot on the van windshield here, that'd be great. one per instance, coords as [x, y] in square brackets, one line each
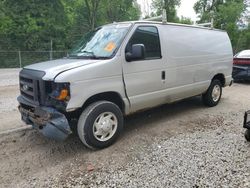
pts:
[102, 43]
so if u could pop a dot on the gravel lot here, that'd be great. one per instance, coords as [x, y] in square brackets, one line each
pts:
[179, 145]
[9, 90]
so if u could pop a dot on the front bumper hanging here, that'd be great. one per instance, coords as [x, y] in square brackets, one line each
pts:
[48, 121]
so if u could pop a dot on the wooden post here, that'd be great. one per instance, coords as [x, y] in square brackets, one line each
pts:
[20, 59]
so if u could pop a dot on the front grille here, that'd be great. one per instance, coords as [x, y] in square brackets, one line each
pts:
[27, 87]
[30, 82]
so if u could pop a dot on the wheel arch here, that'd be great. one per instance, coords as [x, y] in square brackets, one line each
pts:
[110, 96]
[221, 78]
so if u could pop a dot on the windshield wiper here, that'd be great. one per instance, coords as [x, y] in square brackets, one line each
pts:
[91, 55]
[89, 52]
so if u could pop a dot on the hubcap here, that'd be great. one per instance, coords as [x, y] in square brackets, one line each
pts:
[105, 126]
[216, 93]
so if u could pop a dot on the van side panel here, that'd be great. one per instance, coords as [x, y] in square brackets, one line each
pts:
[194, 56]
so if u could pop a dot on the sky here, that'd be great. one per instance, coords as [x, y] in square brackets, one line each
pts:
[185, 9]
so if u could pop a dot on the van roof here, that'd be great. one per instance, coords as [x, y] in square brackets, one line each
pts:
[169, 23]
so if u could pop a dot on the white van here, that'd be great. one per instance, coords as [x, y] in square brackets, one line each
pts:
[119, 69]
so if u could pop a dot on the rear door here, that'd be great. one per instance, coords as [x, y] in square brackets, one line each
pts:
[144, 79]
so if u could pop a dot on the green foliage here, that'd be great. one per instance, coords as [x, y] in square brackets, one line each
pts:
[184, 20]
[169, 6]
[32, 24]
[243, 40]
[107, 11]
[121, 10]
[226, 14]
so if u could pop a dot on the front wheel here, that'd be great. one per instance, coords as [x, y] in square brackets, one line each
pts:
[213, 94]
[100, 124]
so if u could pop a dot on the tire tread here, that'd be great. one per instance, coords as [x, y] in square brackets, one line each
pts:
[83, 117]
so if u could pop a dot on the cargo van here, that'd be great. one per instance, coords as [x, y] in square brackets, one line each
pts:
[119, 69]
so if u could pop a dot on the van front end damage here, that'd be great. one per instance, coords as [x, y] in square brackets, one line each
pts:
[50, 122]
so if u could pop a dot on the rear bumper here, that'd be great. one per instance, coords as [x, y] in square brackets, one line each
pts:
[241, 73]
[50, 122]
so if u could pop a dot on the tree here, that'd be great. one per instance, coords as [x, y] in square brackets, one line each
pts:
[121, 10]
[108, 11]
[92, 7]
[184, 20]
[243, 40]
[169, 6]
[226, 14]
[31, 25]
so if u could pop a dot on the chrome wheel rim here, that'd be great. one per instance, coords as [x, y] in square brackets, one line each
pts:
[105, 126]
[216, 93]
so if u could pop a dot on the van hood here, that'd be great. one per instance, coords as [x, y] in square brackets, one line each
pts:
[55, 67]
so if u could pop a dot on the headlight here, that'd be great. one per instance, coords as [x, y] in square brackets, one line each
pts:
[60, 91]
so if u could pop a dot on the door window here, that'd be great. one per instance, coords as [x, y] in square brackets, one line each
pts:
[149, 37]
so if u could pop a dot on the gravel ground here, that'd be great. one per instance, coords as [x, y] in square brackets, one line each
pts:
[199, 159]
[9, 77]
[9, 90]
[180, 145]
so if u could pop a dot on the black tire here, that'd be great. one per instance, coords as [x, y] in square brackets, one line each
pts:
[89, 116]
[247, 135]
[207, 97]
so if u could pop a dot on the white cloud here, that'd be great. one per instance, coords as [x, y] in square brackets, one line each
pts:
[186, 9]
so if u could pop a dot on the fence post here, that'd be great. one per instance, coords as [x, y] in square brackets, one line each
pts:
[20, 59]
[51, 50]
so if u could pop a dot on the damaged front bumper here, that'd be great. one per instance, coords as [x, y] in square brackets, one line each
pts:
[50, 122]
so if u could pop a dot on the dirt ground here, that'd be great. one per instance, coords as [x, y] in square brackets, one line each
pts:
[27, 159]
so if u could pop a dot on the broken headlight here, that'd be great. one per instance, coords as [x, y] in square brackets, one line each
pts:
[60, 91]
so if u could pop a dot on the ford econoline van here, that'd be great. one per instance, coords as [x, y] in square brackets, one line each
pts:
[119, 69]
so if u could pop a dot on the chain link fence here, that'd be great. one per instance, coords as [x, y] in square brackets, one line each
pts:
[19, 59]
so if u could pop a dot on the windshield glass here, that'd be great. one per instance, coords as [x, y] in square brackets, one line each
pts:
[101, 43]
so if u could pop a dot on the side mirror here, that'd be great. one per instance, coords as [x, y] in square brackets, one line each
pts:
[137, 53]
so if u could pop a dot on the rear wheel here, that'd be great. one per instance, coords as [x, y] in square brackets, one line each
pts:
[247, 135]
[100, 124]
[213, 94]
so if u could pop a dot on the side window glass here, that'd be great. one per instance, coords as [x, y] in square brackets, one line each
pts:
[149, 37]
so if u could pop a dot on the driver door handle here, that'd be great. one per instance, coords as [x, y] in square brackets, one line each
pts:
[163, 75]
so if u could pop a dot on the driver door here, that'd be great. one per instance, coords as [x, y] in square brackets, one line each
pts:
[145, 78]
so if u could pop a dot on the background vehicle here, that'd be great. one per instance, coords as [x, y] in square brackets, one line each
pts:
[241, 66]
[122, 68]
